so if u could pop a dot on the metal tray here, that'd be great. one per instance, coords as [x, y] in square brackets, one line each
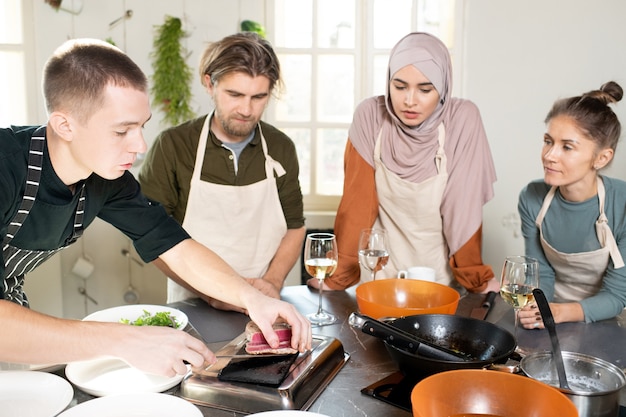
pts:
[308, 377]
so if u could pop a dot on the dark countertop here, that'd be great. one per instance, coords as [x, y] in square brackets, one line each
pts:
[369, 361]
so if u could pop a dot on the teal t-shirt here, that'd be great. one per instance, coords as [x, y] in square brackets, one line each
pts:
[569, 227]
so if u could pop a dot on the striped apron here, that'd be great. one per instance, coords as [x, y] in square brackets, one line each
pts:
[18, 262]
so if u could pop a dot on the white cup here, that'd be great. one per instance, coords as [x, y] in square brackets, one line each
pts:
[418, 272]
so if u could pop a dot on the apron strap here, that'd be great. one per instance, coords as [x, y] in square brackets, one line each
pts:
[35, 162]
[195, 175]
[78, 229]
[440, 156]
[603, 231]
[271, 165]
[605, 236]
[544, 207]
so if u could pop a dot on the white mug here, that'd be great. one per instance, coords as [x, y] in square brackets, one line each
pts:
[418, 272]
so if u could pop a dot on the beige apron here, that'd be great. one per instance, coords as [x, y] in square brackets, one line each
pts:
[242, 224]
[579, 275]
[411, 215]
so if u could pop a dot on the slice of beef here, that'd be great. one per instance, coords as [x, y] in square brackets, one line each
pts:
[258, 345]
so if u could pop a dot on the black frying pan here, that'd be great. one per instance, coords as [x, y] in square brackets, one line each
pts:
[482, 342]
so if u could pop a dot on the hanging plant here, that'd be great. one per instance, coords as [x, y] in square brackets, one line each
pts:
[171, 90]
[74, 7]
[55, 4]
[252, 26]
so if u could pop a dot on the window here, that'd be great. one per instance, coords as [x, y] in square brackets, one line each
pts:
[13, 68]
[333, 54]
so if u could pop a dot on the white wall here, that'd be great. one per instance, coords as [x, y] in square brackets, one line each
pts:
[519, 56]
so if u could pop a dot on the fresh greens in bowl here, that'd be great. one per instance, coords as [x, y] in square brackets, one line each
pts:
[160, 318]
[142, 315]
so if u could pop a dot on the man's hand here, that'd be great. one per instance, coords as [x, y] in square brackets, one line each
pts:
[315, 283]
[220, 305]
[162, 350]
[265, 311]
[265, 287]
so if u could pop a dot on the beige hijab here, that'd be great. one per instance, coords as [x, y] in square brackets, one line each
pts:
[410, 152]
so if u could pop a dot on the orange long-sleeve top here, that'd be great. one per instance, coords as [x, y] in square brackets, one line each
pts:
[358, 210]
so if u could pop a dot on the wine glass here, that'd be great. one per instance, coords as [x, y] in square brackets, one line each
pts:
[520, 275]
[373, 253]
[320, 261]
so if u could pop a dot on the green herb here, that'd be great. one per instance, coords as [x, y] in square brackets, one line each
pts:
[162, 318]
[171, 90]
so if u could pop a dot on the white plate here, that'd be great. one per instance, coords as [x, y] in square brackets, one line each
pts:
[130, 405]
[8, 366]
[33, 394]
[134, 311]
[287, 413]
[109, 376]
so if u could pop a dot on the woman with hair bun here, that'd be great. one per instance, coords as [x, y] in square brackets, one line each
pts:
[574, 219]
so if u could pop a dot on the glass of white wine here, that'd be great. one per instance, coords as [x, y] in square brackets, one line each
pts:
[320, 261]
[520, 275]
[373, 252]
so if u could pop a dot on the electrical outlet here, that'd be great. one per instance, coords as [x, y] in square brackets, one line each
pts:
[512, 223]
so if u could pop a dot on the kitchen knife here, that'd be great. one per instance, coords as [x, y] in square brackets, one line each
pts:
[482, 311]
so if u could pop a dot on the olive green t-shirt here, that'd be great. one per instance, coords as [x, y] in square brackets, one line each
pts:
[166, 172]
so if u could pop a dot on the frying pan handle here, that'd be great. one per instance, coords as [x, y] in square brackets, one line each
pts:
[401, 339]
[489, 299]
[383, 331]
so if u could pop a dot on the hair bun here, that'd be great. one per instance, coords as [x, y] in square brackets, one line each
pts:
[610, 92]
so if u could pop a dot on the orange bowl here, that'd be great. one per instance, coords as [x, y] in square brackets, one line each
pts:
[396, 297]
[479, 392]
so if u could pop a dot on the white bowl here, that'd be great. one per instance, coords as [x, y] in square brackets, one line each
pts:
[134, 311]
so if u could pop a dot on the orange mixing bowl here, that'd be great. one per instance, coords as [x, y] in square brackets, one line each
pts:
[396, 297]
[479, 392]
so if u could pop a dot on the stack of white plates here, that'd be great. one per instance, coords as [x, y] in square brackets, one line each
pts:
[33, 393]
[131, 405]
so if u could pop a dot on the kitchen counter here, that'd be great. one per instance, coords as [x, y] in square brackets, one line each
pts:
[369, 361]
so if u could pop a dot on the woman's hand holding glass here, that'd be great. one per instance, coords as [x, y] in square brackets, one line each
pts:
[520, 275]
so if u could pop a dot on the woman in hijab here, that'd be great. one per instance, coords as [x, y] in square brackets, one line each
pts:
[417, 164]
[573, 220]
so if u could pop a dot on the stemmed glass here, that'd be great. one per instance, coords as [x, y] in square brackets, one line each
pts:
[520, 275]
[373, 252]
[320, 261]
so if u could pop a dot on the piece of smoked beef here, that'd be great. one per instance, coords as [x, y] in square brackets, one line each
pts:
[257, 345]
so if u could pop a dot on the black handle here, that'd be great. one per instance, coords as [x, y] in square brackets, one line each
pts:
[489, 299]
[403, 340]
[548, 322]
[544, 309]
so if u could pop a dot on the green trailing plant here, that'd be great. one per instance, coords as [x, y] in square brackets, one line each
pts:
[55, 4]
[171, 89]
[252, 26]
